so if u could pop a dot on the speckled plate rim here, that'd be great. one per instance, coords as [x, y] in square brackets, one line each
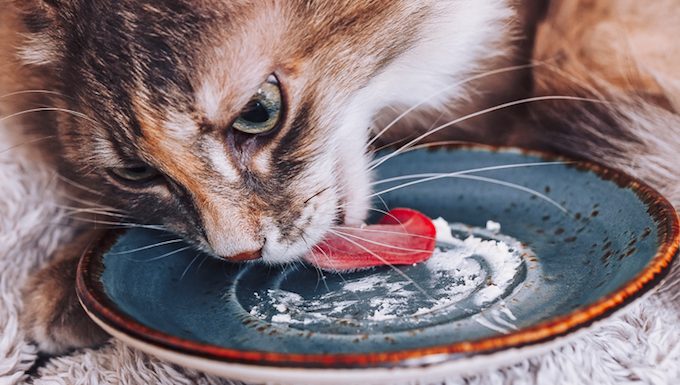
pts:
[93, 298]
[436, 369]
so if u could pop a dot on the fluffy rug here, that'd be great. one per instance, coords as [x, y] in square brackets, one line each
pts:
[639, 345]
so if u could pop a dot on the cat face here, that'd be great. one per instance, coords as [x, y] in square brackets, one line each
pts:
[242, 125]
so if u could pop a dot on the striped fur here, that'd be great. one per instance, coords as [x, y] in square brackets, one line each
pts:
[160, 82]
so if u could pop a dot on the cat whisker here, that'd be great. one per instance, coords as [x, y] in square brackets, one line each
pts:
[78, 185]
[94, 206]
[89, 206]
[425, 145]
[408, 250]
[31, 141]
[184, 273]
[516, 187]
[471, 171]
[319, 273]
[391, 266]
[75, 211]
[80, 217]
[436, 176]
[24, 92]
[383, 212]
[480, 113]
[148, 247]
[50, 109]
[387, 208]
[60, 222]
[443, 91]
[386, 146]
[86, 169]
[382, 232]
[205, 258]
[158, 258]
[339, 274]
[122, 224]
[483, 179]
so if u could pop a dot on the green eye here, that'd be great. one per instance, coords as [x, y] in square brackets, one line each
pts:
[137, 174]
[263, 111]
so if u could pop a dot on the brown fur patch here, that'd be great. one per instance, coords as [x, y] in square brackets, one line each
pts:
[626, 44]
[53, 316]
[170, 155]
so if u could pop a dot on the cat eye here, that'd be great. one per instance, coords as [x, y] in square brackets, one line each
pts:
[263, 112]
[136, 174]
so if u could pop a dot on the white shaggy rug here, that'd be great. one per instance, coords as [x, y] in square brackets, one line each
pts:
[640, 345]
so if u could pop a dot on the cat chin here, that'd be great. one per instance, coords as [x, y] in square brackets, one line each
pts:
[276, 252]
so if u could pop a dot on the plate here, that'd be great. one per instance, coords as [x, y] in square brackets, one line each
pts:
[587, 241]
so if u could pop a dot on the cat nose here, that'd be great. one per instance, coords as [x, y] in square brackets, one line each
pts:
[246, 256]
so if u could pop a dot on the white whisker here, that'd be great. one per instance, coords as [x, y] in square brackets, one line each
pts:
[479, 113]
[168, 254]
[384, 203]
[472, 171]
[31, 141]
[93, 205]
[122, 224]
[391, 266]
[148, 247]
[189, 267]
[50, 109]
[382, 232]
[320, 272]
[424, 145]
[77, 185]
[462, 175]
[383, 244]
[516, 187]
[205, 258]
[444, 90]
[74, 211]
[23, 92]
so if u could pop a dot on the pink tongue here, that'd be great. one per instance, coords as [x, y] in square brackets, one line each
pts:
[402, 237]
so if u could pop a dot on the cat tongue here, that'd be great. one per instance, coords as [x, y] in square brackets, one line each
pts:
[402, 237]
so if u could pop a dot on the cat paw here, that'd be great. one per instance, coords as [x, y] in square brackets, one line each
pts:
[52, 317]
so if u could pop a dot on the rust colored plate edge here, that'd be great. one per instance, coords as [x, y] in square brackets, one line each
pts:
[93, 297]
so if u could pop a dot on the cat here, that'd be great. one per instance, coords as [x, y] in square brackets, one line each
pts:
[243, 126]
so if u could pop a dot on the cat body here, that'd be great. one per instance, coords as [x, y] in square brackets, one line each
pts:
[243, 126]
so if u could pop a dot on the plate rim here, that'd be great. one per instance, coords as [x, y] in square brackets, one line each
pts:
[92, 295]
[434, 372]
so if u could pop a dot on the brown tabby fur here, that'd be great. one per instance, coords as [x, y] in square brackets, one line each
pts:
[623, 51]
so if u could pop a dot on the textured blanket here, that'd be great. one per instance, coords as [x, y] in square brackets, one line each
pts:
[639, 345]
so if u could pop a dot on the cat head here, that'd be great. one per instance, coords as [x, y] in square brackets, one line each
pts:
[242, 125]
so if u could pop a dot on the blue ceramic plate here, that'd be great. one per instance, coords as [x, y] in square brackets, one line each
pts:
[587, 240]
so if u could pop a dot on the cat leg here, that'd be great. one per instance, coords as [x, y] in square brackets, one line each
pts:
[52, 317]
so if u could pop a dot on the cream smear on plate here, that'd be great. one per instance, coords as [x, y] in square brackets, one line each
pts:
[464, 268]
